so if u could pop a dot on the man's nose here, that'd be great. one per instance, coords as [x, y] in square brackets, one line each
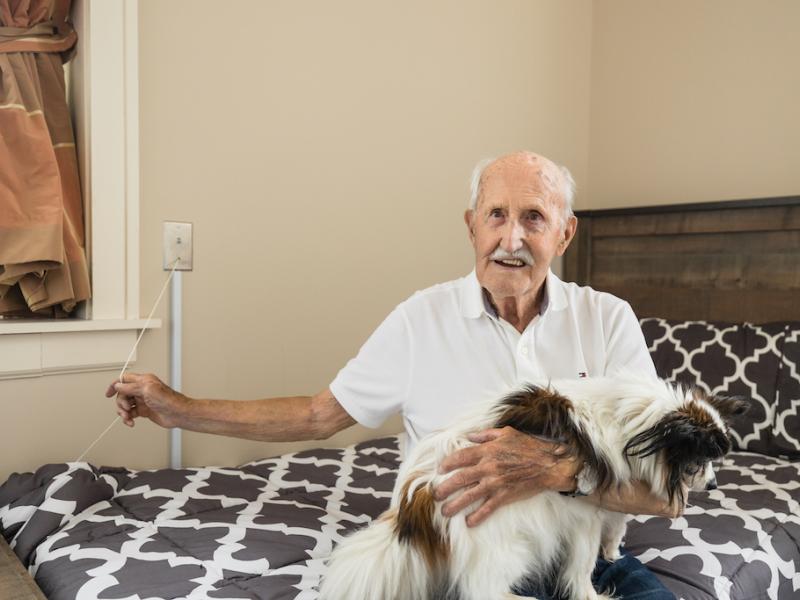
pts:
[512, 236]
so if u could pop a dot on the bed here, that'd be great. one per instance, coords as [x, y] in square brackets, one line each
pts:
[698, 275]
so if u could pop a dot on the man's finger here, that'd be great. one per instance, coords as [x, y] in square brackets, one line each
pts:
[459, 480]
[483, 511]
[126, 389]
[125, 403]
[125, 416]
[466, 457]
[126, 377]
[488, 435]
[469, 497]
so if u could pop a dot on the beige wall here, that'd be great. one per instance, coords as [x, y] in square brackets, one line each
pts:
[693, 101]
[322, 151]
[53, 419]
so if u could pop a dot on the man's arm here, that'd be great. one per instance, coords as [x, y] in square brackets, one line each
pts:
[270, 419]
[506, 466]
[635, 499]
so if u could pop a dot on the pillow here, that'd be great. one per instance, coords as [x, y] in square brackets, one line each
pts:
[786, 433]
[734, 359]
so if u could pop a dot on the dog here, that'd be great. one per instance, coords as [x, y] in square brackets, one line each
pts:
[624, 429]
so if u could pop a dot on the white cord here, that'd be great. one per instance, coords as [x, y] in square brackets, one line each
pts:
[133, 350]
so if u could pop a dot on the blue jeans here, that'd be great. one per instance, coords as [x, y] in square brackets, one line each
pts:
[627, 578]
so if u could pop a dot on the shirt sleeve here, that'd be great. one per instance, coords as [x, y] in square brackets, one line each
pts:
[374, 385]
[626, 349]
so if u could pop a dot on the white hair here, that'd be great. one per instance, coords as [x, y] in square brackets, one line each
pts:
[567, 192]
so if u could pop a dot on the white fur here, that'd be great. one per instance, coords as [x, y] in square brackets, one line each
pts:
[525, 538]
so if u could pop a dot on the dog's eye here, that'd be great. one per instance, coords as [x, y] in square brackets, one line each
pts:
[691, 470]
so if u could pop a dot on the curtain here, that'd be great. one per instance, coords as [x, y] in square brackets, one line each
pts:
[43, 268]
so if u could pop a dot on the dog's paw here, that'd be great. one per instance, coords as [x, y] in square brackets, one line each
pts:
[611, 554]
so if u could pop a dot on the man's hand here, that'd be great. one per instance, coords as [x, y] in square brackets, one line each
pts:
[505, 466]
[146, 396]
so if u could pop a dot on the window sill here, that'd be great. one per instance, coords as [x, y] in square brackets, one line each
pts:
[37, 348]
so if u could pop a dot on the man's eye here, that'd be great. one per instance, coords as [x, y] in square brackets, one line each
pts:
[534, 216]
[496, 212]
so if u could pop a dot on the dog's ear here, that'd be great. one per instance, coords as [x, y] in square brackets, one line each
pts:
[729, 407]
[690, 431]
[543, 412]
[682, 439]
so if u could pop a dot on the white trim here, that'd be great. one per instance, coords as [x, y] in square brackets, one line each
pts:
[132, 155]
[106, 106]
[176, 363]
[37, 354]
[106, 192]
[22, 326]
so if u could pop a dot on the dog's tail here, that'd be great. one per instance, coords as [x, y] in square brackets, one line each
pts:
[398, 557]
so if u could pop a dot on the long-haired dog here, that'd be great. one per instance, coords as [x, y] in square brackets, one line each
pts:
[623, 429]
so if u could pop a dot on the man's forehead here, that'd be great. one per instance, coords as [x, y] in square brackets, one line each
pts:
[525, 165]
[527, 177]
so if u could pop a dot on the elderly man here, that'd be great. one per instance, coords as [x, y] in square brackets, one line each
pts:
[509, 321]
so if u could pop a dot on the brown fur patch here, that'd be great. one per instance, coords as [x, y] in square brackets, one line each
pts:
[544, 412]
[538, 411]
[415, 524]
[697, 414]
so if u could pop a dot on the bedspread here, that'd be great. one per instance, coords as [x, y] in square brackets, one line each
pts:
[259, 531]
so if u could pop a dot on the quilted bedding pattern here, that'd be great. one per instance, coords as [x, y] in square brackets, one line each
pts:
[738, 542]
[262, 530]
[257, 531]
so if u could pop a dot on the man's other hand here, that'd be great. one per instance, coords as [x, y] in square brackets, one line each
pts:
[145, 395]
[503, 467]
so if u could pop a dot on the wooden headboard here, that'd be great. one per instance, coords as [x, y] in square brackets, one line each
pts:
[720, 261]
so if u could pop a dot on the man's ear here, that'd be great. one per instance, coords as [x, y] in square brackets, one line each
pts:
[468, 219]
[569, 233]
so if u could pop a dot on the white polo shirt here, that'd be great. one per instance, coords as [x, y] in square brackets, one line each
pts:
[445, 348]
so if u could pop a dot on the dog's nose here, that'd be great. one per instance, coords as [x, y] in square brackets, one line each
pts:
[711, 485]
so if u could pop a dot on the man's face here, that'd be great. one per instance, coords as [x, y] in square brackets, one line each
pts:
[517, 227]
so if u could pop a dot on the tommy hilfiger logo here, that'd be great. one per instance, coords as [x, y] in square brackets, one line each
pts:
[582, 374]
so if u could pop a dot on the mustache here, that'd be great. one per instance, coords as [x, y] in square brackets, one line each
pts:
[522, 254]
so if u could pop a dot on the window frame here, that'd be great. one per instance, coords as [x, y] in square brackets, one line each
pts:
[104, 94]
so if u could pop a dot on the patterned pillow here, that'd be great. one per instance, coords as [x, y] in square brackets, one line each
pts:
[738, 359]
[786, 433]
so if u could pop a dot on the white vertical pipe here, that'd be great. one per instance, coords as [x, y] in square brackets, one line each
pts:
[176, 360]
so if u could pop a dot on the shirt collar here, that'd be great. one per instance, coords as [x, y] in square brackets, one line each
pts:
[474, 302]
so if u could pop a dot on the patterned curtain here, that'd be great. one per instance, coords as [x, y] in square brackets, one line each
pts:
[43, 270]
